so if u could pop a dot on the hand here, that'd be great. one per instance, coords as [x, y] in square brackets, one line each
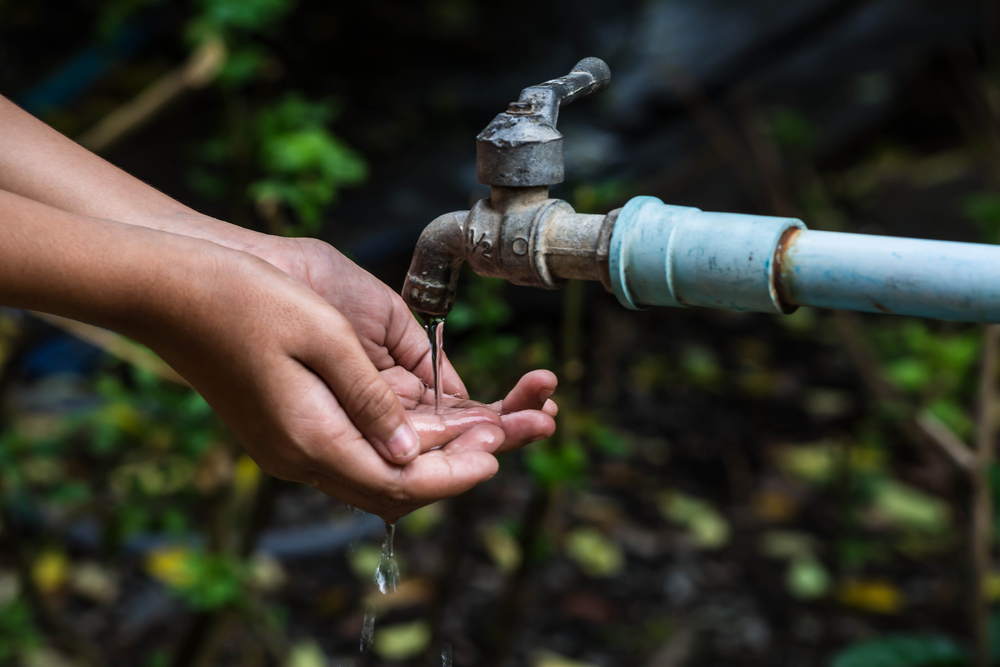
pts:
[293, 380]
[397, 344]
[291, 375]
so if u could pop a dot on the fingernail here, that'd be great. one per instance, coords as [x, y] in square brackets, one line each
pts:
[402, 443]
[541, 437]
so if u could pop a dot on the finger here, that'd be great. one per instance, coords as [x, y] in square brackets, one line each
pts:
[407, 386]
[550, 408]
[441, 474]
[524, 427]
[339, 358]
[530, 392]
[486, 438]
[430, 477]
[437, 430]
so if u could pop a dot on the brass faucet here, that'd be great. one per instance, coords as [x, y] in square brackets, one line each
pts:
[518, 233]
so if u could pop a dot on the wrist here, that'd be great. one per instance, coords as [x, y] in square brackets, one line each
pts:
[188, 222]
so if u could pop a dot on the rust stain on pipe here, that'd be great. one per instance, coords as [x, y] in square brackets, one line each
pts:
[783, 267]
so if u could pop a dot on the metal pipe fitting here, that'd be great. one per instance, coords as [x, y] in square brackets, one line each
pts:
[432, 279]
[518, 234]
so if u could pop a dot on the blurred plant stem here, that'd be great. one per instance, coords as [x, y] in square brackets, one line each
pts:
[201, 68]
[116, 345]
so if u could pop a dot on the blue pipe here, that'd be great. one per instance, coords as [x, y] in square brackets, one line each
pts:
[661, 255]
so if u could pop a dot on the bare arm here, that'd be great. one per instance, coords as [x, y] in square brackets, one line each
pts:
[178, 282]
[281, 366]
[39, 163]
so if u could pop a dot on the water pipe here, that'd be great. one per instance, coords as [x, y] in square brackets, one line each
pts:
[652, 254]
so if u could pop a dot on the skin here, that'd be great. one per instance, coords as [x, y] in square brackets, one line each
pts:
[318, 368]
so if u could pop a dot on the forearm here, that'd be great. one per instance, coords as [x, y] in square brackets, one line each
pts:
[39, 163]
[119, 276]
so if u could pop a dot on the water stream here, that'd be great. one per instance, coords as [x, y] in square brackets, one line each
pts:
[435, 333]
[387, 579]
[368, 630]
[387, 573]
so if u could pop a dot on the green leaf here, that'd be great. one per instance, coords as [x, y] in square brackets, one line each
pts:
[953, 415]
[17, 630]
[402, 641]
[793, 130]
[903, 651]
[807, 579]
[984, 209]
[597, 556]
[306, 654]
[248, 15]
[215, 581]
[552, 465]
[910, 508]
[909, 374]
[701, 367]
[709, 529]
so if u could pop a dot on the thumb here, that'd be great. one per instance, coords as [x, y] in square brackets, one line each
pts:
[370, 403]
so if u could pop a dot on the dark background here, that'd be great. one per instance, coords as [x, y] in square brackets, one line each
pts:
[873, 117]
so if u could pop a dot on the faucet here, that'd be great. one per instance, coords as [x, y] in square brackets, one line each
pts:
[518, 233]
[649, 253]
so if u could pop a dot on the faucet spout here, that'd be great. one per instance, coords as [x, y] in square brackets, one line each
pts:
[518, 234]
[431, 282]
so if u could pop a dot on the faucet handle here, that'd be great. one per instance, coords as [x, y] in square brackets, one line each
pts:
[590, 76]
[521, 147]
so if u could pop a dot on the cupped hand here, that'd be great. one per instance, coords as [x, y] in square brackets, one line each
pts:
[397, 344]
[294, 381]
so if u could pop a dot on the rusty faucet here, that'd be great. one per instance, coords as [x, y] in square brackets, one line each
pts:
[649, 253]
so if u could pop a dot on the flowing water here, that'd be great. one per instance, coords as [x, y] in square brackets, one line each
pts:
[435, 333]
[368, 630]
[386, 578]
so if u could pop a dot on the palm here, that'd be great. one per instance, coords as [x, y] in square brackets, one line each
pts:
[397, 344]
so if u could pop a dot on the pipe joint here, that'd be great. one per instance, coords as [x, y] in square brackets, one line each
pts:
[663, 255]
[518, 234]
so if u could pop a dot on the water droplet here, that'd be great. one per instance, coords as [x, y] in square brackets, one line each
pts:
[387, 573]
[446, 655]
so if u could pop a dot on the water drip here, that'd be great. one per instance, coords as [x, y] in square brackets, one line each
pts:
[387, 573]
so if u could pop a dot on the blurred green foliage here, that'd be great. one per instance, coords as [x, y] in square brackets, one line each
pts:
[17, 630]
[936, 368]
[904, 651]
[306, 164]
[984, 209]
